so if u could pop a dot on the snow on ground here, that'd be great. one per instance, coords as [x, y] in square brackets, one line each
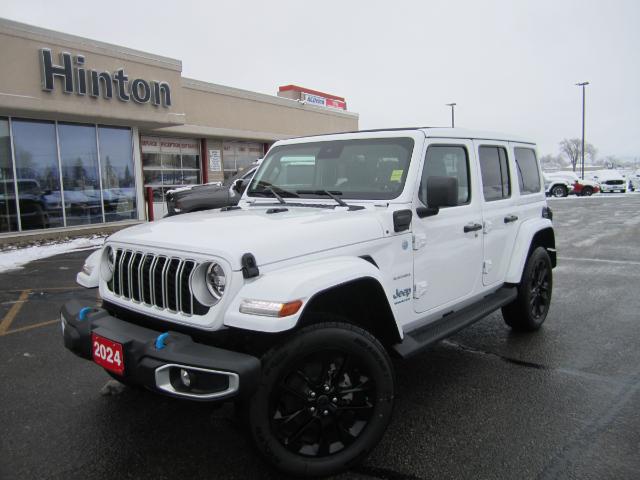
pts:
[15, 258]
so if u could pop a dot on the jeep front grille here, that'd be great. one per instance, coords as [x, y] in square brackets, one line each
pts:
[155, 280]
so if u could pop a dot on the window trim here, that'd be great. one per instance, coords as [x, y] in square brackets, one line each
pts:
[509, 183]
[469, 185]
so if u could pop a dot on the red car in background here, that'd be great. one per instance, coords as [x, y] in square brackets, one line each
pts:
[580, 187]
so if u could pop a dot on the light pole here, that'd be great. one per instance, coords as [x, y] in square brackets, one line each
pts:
[582, 84]
[453, 115]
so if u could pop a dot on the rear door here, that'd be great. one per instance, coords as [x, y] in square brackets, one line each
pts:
[499, 212]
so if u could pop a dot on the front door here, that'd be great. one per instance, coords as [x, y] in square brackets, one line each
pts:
[448, 245]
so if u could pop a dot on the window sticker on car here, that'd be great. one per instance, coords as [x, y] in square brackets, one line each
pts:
[396, 175]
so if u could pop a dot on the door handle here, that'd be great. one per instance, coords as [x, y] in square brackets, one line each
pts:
[472, 227]
[510, 218]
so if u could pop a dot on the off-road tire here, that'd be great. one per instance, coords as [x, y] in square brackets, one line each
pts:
[529, 310]
[341, 371]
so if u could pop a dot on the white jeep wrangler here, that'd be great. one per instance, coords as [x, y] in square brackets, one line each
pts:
[345, 249]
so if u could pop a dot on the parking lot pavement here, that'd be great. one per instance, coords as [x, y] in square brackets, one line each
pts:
[487, 403]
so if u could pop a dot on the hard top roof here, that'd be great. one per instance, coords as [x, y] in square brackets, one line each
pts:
[440, 132]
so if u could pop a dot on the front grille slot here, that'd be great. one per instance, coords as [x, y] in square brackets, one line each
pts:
[155, 280]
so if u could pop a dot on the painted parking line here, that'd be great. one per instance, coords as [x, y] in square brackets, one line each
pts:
[30, 327]
[600, 260]
[8, 319]
[48, 289]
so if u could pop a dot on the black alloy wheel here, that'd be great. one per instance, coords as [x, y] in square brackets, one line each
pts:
[323, 406]
[530, 308]
[324, 400]
[540, 294]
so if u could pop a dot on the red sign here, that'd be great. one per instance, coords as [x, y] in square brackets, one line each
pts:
[107, 353]
[335, 103]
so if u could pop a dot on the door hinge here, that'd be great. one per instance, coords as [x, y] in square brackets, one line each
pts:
[419, 240]
[487, 265]
[419, 289]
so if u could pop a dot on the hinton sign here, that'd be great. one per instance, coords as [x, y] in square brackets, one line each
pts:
[76, 78]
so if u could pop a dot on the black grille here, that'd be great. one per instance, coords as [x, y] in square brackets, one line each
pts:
[155, 280]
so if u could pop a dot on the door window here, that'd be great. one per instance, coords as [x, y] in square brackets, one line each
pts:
[495, 173]
[528, 174]
[447, 161]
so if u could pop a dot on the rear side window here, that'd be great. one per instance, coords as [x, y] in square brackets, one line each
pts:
[495, 173]
[447, 161]
[528, 175]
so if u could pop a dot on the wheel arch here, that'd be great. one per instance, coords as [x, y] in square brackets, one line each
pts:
[361, 302]
[532, 234]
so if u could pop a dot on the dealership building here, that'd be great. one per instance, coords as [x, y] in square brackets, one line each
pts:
[90, 132]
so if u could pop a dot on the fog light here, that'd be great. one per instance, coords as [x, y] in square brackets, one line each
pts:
[185, 377]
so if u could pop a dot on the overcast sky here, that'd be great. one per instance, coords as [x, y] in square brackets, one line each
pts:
[509, 65]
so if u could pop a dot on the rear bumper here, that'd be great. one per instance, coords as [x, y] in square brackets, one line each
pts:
[217, 374]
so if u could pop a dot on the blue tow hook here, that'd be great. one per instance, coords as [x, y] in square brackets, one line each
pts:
[84, 311]
[160, 340]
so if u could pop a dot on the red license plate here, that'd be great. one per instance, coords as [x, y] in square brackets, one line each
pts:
[108, 354]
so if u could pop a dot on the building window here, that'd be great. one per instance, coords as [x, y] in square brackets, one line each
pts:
[238, 156]
[66, 174]
[38, 174]
[80, 174]
[118, 178]
[8, 210]
[169, 163]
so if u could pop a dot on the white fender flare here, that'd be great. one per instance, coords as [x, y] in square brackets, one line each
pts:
[299, 282]
[527, 231]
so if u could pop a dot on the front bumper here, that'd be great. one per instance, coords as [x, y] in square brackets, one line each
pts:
[217, 374]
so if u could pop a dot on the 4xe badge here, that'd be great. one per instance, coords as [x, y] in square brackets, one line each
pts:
[401, 295]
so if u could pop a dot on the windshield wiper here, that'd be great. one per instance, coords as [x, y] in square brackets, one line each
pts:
[333, 195]
[274, 190]
[275, 194]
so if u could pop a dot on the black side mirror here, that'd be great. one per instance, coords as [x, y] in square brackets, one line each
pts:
[441, 192]
[239, 185]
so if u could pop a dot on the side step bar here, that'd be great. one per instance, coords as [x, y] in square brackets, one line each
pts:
[423, 337]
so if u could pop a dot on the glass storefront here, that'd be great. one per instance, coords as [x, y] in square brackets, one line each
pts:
[169, 163]
[237, 156]
[66, 174]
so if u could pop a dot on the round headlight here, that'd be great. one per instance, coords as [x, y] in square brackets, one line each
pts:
[215, 280]
[111, 259]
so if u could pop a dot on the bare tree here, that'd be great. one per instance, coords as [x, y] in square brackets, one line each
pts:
[572, 148]
[551, 162]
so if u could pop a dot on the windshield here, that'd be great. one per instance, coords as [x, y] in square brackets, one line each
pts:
[373, 169]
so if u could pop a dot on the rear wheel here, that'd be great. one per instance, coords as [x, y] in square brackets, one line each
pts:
[587, 191]
[529, 310]
[324, 401]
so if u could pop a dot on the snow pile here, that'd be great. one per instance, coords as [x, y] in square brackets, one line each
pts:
[14, 258]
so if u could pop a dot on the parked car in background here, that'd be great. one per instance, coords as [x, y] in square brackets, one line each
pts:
[579, 186]
[208, 196]
[556, 187]
[33, 208]
[610, 181]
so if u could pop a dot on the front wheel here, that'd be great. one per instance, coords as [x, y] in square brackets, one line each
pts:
[324, 401]
[559, 191]
[529, 310]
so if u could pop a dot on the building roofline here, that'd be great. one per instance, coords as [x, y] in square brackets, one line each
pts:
[203, 86]
[11, 27]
